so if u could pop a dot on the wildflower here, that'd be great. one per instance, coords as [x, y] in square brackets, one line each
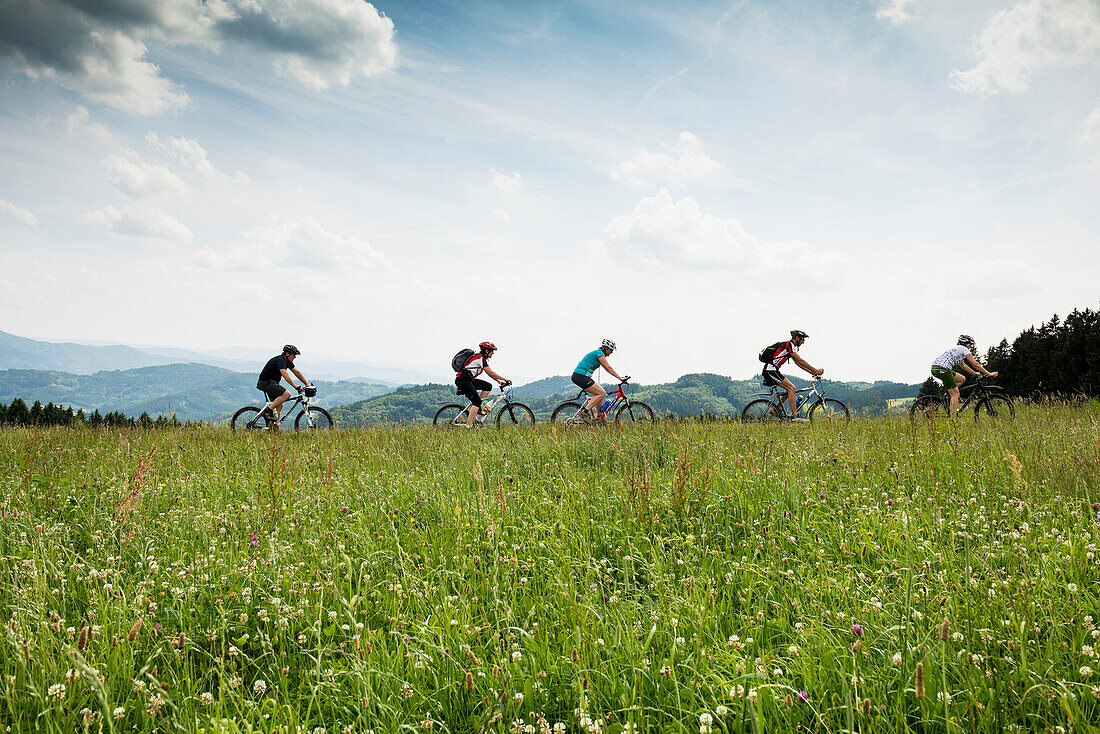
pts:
[118, 713]
[897, 658]
[516, 656]
[666, 671]
[793, 650]
[679, 641]
[517, 699]
[705, 721]
[1072, 588]
[259, 687]
[803, 696]
[426, 724]
[737, 691]
[752, 695]
[1085, 672]
[206, 699]
[855, 646]
[943, 696]
[57, 691]
[857, 630]
[721, 710]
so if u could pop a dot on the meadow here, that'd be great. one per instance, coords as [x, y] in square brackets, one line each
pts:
[885, 576]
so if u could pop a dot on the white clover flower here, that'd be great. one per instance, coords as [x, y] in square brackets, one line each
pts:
[793, 650]
[1085, 672]
[259, 687]
[721, 710]
[897, 658]
[516, 656]
[206, 699]
[118, 713]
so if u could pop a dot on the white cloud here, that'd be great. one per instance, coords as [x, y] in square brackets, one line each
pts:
[135, 178]
[672, 165]
[300, 243]
[991, 278]
[895, 11]
[22, 215]
[138, 222]
[98, 48]
[80, 122]
[661, 231]
[1090, 129]
[507, 183]
[190, 154]
[1032, 36]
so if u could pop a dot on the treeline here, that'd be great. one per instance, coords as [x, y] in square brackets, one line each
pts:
[1061, 357]
[18, 414]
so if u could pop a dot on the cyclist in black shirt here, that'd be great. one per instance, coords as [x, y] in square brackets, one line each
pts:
[278, 368]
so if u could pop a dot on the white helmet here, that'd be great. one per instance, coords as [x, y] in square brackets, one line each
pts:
[608, 343]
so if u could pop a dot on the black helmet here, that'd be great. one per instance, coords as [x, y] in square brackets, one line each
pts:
[291, 349]
[966, 340]
[799, 334]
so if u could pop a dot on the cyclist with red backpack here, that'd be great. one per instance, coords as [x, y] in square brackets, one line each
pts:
[775, 355]
[468, 365]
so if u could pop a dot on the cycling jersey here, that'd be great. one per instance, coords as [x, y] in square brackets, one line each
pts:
[475, 365]
[590, 362]
[782, 354]
[272, 371]
[952, 357]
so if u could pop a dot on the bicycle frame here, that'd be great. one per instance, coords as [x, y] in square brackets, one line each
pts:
[505, 394]
[288, 408]
[619, 394]
[778, 395]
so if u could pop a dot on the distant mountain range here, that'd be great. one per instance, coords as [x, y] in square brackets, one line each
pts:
[17, 352]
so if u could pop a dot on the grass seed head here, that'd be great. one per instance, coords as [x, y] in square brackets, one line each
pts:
[945, 630]
[866, 707]
[135, 630]
[920, 680]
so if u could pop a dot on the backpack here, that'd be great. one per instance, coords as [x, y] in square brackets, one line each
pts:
[768, 352]
[459, 360]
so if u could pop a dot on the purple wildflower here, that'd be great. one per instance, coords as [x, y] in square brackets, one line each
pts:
[803, 696]
[857, 630]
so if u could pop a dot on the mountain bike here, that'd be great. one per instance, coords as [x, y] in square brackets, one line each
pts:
[820, 408]
[510, 414]
[572, 412]
[309, 418]
[989, 400]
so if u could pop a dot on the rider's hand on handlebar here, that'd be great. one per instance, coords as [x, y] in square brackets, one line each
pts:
[505, 383]
[299, 388]
[624, 379]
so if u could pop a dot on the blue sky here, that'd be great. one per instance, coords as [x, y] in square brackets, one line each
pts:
[389, 182]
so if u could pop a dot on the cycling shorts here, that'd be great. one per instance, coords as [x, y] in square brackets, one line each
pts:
[945, 375]
[271, 388]
[582, 380]
[471, 388]
[772, 375]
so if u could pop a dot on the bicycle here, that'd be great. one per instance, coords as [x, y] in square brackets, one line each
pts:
[310, 417]
[820, 407]
[572, 412]
[988, 398]
[511, 414]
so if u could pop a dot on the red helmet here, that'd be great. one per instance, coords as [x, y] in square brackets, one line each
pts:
[488, 347]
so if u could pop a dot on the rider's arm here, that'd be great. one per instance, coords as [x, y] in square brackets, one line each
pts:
[302, 377]
[286, 376]
[606, 366]
[806, 365]
[972, 364]
[500, 380]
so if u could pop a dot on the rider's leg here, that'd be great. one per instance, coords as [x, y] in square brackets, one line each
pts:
[277, 403]
[598, 394]
[953, 392]
[789, 387]
[467, 389]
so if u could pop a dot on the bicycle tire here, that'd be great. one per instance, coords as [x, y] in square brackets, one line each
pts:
[635, 412]
[759, 411]
[245, 419]
[322, 421]
[830, 410]
[565, 413]
[995, 407]
[514, 415]
[448, 416]
[927, 405]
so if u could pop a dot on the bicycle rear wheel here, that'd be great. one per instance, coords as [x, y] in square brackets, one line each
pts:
[247, 419]
[994, 407]
[313, 419]
[760, 410]
[634, 412]
[451, 415]
[927, 406]
[515, 414]
[829, 411]
[567, 413]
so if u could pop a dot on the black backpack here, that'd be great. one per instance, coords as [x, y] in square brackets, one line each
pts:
[459, 360]
[767, 353]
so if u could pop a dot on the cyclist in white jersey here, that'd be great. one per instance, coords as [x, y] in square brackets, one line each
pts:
[960, 355]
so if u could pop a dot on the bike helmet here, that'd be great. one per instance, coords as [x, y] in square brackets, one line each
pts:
[608, 343]
[487, 347]
[799, 334]
[290, 349]
[965, 340]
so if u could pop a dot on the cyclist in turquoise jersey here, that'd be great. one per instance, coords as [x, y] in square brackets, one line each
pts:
[582, 375]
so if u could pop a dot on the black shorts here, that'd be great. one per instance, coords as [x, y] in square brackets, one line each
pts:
[772, 375]
[582, 381]
[271, 388]
[471, 388]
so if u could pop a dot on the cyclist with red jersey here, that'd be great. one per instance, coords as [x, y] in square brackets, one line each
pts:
[776, 355]
[474, 389]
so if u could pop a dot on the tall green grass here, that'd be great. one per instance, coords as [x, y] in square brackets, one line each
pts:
[674, 577]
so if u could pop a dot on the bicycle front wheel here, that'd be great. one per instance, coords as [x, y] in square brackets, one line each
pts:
[995, 407]
[634, 412]
[451, 415]
[927, 406]
[313, 419]
[759, 410]
[247, 419]
[567, 413]
[829, 411]
[515, 414]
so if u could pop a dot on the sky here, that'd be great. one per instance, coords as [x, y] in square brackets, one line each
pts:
[390, 182]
